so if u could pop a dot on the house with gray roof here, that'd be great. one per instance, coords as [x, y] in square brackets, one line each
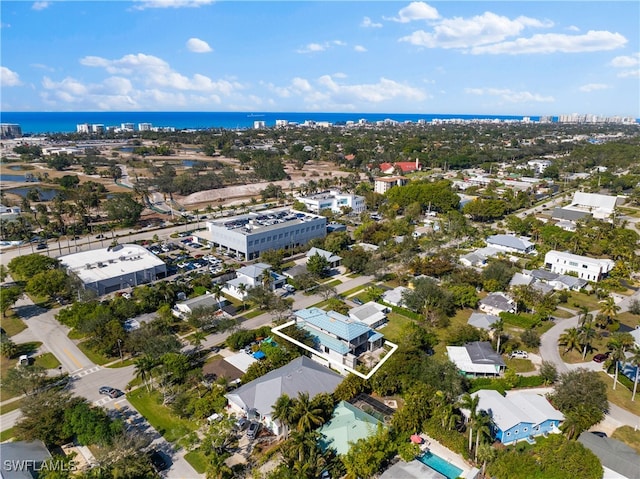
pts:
[371, 313]
[302, 375]
[482, 320]
[184, 308]
[394, 296]
[518, 416]
[340, 338]
[332, 259]
[496, 303]
[251, 276]
[27, 457]
[618, 460]
[476, 359]
[511, 244]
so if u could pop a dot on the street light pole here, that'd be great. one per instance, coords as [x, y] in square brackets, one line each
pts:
[120, 349]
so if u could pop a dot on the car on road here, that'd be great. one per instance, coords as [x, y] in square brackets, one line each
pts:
[601, 358]
[252, 431]
[109, 391]
[599, 433]
[104, 389]
[41, 246]
[519, 355]
[100, 236]
[358, 301]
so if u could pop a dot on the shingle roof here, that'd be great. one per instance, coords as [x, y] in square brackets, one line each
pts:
[333, 322]
[253, 270]
[613, 454]
[481, 352]
[481, 320]
[300, 375]
[498, 301]
[510, 241]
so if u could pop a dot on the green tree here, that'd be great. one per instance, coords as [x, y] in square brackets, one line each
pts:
[24, 267]
[43, 417]
[143, 368]
[8, 348]
[634, 359]
[8, 297]
[307, 412]
[581, 395]
[283, 413]
[49, 283]
[124, 209]
[318, 265]
[27, 380]
[570, 339]
[618, 345]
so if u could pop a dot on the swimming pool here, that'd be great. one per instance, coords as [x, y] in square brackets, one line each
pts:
[440, 465]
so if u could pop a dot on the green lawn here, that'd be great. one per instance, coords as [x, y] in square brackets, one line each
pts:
[11, 406]
[628, 435]
[6, 434]
[520, 365]
[253, 313]
[334, 282]
[160, 417]
[621, 396]
[12, 324]
[561, 313]
[577, 299]
[349, 292]
[75, 334]
[394, 329]
[93, 356]
[197, 460]
[47, 361]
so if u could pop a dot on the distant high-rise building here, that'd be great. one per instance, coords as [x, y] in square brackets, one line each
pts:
[127, 126]
[10, 130]
[83, 128]
[281, 123]
[145, 126]
[97, 128]
[259, 124]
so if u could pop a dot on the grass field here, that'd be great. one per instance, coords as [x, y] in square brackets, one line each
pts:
[197, 460]
[621, 396]
[161, 417]
[628, 435]
[577, 299]
[11, 406]
[520, 365]
[253, 313]
[6, 434]
[12, 324]
[394, 329]
[93, 356]
[47, 361]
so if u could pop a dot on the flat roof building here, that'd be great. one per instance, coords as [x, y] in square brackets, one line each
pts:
[107, 270]
[333, 200]
[250, 234]
[590, 269]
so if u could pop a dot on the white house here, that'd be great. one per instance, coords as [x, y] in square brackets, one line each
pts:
[184, 308]
[332, 259]
[539, 165]
[511, 244]
[372, 314]
[251, 276]
[600, 206]
[590, 269]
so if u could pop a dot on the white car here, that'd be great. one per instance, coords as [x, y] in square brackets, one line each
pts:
[519, 355]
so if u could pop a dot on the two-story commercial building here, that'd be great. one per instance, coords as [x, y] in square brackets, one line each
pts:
[248, 235]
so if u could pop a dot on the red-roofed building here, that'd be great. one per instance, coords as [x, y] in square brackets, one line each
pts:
[404, 166]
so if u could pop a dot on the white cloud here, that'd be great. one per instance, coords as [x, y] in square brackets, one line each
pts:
[143, 4]
[359, 48]
[40, 5]
[630, 74]
[330, 90]
[573, 28]
[9, 77]
[320, 47]
[367, 23]
[592, 41]
[198, 46]
[626, 61]
[416, 11]
[465, 33]
[510, 96]
[589, 87]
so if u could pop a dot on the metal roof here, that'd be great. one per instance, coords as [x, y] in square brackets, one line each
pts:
[510, 241]
[348, 425]
[613, 454]
[334, 323]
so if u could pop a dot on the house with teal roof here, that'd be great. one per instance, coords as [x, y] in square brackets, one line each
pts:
[348, 425]
[339, 338]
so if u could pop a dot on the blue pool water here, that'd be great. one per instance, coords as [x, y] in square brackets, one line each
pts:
[438, 464]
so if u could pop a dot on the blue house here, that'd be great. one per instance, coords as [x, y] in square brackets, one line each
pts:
[521, 415]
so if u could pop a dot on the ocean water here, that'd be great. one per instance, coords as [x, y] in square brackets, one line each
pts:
[66, 122]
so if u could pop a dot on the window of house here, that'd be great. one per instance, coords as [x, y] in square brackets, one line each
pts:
[508, 434]
[516, 431]
[525, 429]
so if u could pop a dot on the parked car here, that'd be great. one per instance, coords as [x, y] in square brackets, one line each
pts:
[242, 424]
[105, 389]
[157, 460]
[253, 430]
[41, 246]
[519, 355]
[599, 433]
[115, 393]
[358, 301]
[601, 358]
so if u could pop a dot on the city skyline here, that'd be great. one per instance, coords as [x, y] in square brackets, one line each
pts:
[509, 58]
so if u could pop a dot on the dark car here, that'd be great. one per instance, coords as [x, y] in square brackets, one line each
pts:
[105, 390]
[157, 460]
[242, 424]
[357, 301]
[599, 433]
[600, 358]
[253, 430]
[114, 393]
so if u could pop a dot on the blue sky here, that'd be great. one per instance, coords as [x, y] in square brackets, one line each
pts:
[470, 57]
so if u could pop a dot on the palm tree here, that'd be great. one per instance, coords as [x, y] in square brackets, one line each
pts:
[242, 288]
[498, 328]
[197, 338]
[143, 367]
[308, 414]
[483, 422]
[617, 346]
[216, 290]
[584, 316]
[283, 413]
[470, 403]
[635, 361]
[609, 308]
[586, 334]
[570, 339]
